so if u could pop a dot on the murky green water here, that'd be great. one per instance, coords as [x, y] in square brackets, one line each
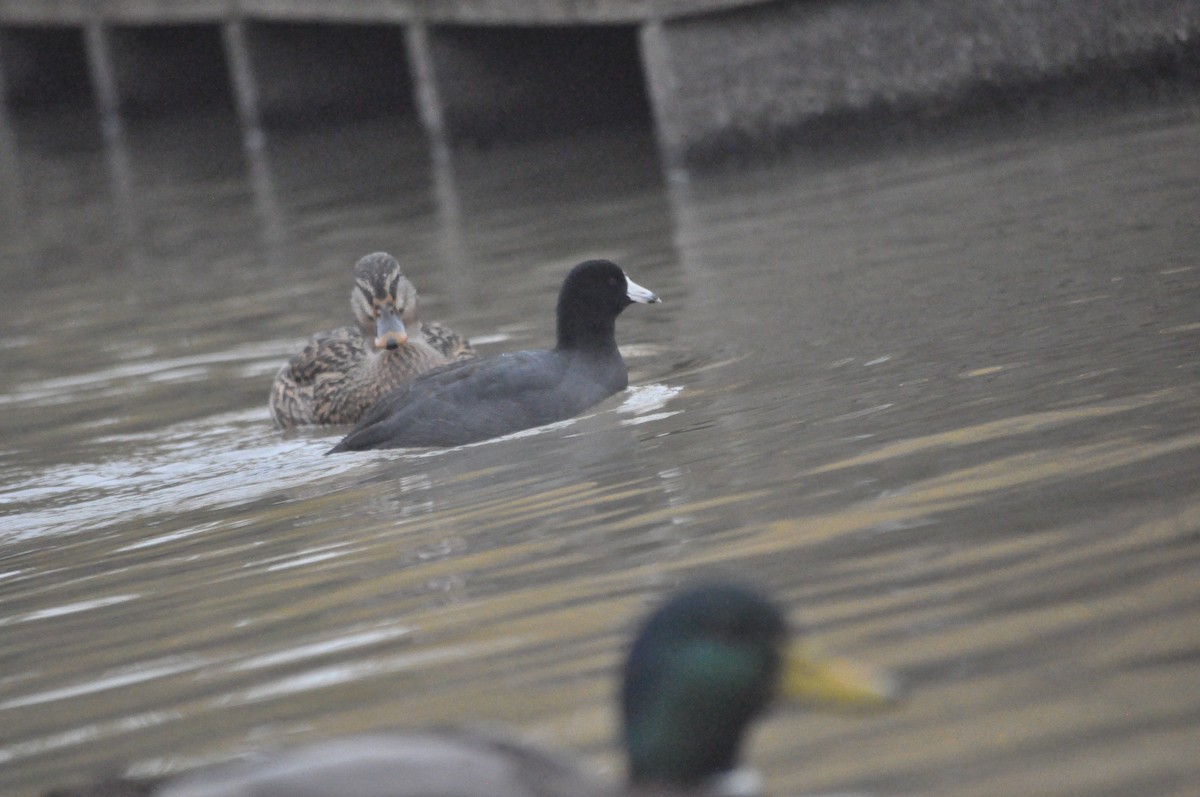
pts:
[943, 400]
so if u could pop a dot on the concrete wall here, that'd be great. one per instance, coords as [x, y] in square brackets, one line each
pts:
[762, 73]
[715, 78]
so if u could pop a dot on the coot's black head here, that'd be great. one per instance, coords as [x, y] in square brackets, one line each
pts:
[592, 296]
[383, 300]
[705, 665]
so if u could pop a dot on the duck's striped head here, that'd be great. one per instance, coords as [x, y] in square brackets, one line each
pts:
[383, 300]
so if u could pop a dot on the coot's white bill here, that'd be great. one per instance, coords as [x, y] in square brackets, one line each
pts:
[639, 294]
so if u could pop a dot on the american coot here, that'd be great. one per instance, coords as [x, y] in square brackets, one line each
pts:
[341, 373]
[491, 396]
[702, 668]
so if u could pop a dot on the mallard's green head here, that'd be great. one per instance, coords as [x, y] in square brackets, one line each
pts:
[383, 300]
[704, 666]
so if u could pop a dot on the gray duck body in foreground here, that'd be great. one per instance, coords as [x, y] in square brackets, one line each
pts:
[702, 669]
[491, 396]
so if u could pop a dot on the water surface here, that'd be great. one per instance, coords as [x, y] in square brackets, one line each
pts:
[942, 399]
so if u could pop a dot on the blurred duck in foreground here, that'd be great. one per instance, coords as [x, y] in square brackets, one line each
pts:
[702, 669]
[492, 396]
[343, 372]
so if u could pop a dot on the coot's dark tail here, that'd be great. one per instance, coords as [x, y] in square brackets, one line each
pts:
[345, 444]
[365, 436]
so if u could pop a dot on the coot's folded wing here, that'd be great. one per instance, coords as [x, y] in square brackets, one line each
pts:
[458, 403]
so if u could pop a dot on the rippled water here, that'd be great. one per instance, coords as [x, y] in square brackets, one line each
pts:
[943, 399]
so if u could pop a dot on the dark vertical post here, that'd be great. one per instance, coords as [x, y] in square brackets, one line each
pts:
[104, 79]
[10, 173]
[428, 97]
[245, 91]
[104, 84]
[433, 120]
[254, 140]
[662, 88]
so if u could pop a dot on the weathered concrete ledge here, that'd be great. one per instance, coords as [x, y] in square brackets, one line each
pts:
[711, 77]
[436, 12]
[786, 67]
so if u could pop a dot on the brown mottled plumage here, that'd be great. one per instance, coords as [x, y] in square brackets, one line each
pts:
[341, 373]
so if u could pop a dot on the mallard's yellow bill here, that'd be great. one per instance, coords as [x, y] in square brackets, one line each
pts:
[821, 681]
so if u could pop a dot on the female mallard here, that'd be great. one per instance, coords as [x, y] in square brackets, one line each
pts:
[343, 372]
[700, 671]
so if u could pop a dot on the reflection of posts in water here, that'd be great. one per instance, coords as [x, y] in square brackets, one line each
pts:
[254, 140]
[691, 233]
[266, 201]
[451, 231]
[104, 83]
[708, 277]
